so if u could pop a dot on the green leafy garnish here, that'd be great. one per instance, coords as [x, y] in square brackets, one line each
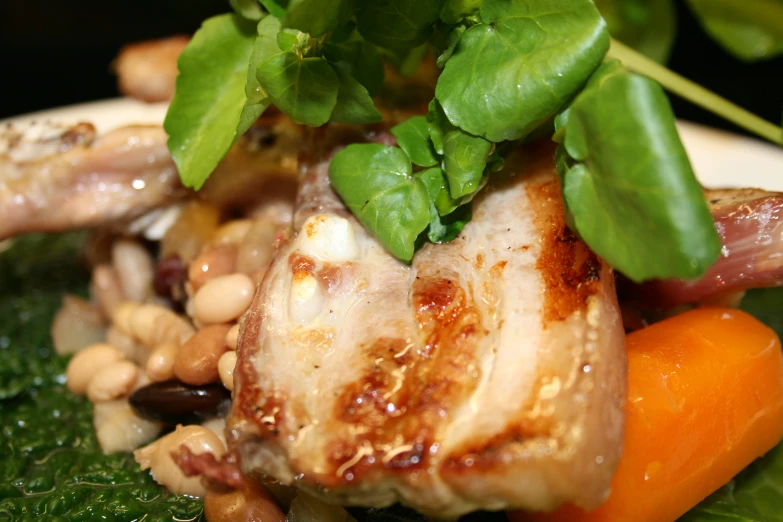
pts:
[210, 108]
[508, 68]
[447, 219]
[413, 136]
[376, 182]
[304, 88]
[516, 69]
[250, 9]
[398, 25]
[749, 29]
[465, 155]
[317, 17]
[646, 25]
[354, 104]
[629, 185]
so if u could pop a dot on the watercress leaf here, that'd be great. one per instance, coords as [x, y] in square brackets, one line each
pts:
[354, 104]
[464, 155]
[317, 17]
[376, 183]
[454, 37]
[629, 185]
[455, 10]
[361, 60]
[434, 180]
[398, 25]
[413, 136]
[514, 71]
[275, 7]
[303, 88]
[249, 9]
[443, 229]
[646, 25]
[765, 305]
[749, 29]
[208, 110]
[288, 39]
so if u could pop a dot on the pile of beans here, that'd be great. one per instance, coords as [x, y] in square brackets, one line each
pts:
[154, 347]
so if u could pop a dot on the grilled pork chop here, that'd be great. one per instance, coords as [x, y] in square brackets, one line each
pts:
[488, 374]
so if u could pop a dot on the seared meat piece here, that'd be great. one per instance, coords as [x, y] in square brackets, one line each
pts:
[55, 178]
[750, 224]
[489, 374]
[148, 70]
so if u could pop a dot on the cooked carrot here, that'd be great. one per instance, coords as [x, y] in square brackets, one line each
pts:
[705, 399]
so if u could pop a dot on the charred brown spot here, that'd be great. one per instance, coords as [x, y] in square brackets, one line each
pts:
[332, 275]
[405, 393]
[570, 271]
[301, 263]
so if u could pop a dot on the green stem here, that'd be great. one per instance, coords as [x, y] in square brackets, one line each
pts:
[695, 93]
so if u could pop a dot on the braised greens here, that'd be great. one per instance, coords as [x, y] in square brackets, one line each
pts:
[508, 67]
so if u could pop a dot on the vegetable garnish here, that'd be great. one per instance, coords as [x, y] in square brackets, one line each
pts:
[509, 68]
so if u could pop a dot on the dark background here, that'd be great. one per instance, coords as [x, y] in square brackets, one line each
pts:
[58, 52]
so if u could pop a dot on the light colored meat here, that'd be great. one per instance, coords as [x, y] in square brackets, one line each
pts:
[55, 178]
[750, 224]
[148, 70]
[488, 374]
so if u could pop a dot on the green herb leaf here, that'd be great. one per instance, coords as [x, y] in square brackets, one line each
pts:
[317, 17]
[454, 37]
[455, 10]
[303, 88]
[249, 9]
[631, 190]
[438, 189]
[749, 29]
[210, 106]
[376, 183]
[646, 25]
[464, 155]
[288, 39]
[275, 7]
[399, 25]
[413, 136]
[354, 104]
[361, 60]
[514, 71]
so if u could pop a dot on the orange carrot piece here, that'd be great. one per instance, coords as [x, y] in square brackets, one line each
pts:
[705, 399]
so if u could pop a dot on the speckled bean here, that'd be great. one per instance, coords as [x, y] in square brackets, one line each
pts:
[214, 262]
[197, 359]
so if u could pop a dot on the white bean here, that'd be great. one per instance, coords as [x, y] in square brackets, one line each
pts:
[232, 232]
[160, 365]
[218, 427]
[257, 247]
[106, 289]
[84, 365]
[152, 324]
[226, 366]
[112, 382]
[78, 324]
[132, 349]
[119, 429]
[223, 299]
[232, 337]
[157, 458]
[135, 268]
